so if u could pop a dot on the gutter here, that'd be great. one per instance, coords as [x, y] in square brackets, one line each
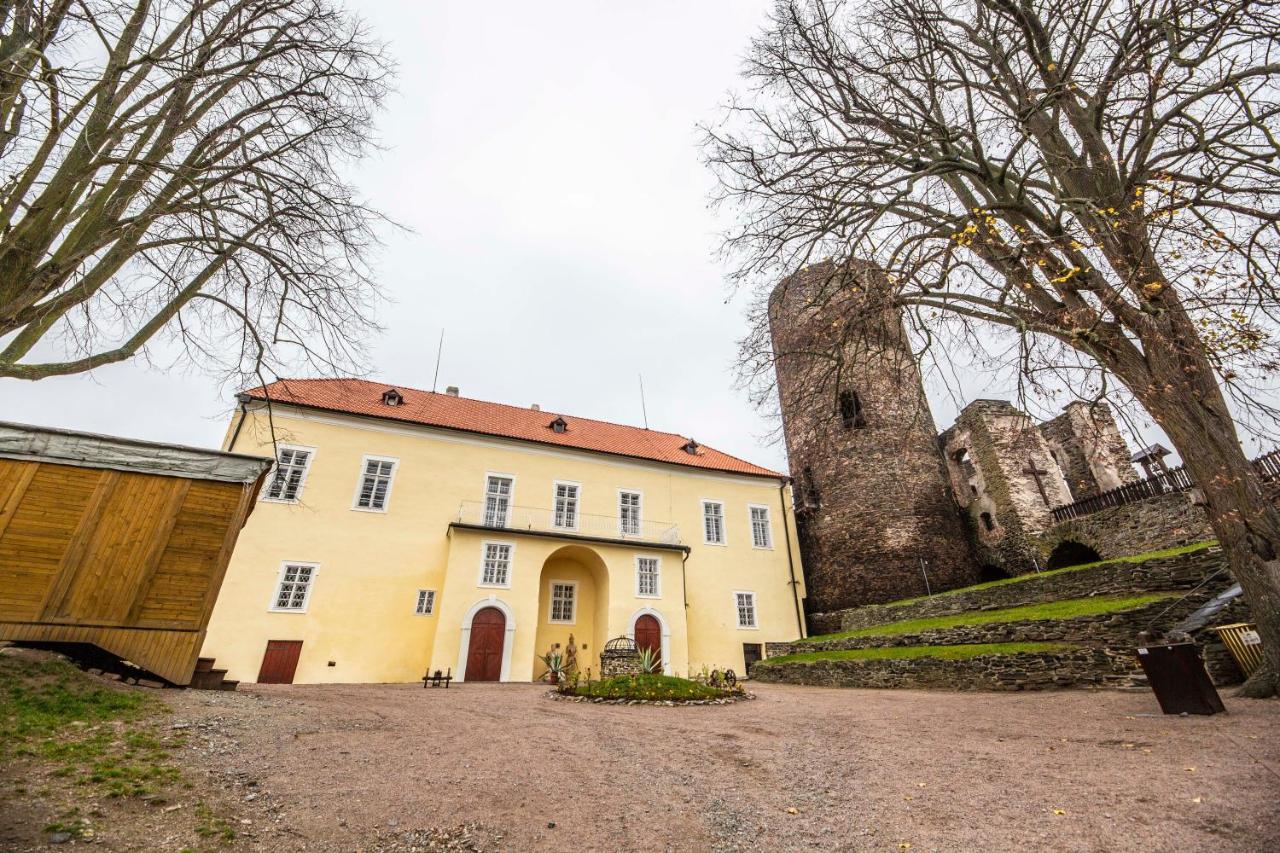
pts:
[791, 563]
[244, 413]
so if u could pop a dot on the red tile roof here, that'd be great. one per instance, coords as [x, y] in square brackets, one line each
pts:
[362, 397]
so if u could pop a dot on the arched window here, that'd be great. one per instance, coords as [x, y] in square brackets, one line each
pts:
[851, 410]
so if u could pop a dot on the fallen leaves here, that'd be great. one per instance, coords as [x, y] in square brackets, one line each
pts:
[1059, 811]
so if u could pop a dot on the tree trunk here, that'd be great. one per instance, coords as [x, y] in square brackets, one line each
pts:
[1185, 400]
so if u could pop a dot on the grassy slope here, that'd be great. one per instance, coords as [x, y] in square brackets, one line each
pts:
[908, 652]
[1068, 609]
[649, 687]
[1133, 558]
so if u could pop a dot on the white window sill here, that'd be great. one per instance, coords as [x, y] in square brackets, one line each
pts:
[651, 597]
[484, 585]
[717, 544]
[382, 511]
[286, 610]
[560, 622]
[748, 627]
[266, 500]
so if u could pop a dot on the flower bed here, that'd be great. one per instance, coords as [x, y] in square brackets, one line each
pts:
[649, 689]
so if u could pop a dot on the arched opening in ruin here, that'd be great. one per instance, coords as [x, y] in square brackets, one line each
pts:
[1070, 553]
[991, 572]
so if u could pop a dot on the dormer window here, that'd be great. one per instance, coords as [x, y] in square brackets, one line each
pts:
[559, 425]
[392, 397]
[690, 447]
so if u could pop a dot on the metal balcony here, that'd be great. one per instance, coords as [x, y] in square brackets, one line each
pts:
[539, 520]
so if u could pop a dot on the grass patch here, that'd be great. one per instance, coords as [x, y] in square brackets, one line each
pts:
[1069, 609]
[51, 711]
[648, 687]
[911, 652]
[39, 699]
[213, 827]
[1132, 558]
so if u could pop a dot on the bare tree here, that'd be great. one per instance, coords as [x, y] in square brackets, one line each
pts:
[176, 166]
[1099, 177]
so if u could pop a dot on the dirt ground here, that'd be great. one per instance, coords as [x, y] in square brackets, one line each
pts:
[347, 767]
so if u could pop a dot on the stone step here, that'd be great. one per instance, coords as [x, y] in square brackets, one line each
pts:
[209, 680]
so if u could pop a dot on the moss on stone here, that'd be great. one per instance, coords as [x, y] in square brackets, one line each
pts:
[1071, 608]
[911, 652]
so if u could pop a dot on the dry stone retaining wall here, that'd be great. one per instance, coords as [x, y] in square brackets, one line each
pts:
[1027, 671]
[1179, 572]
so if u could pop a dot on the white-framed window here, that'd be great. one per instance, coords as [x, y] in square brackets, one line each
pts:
[629, 512]
[495, 564]
[564, 601]
[761, 530]
[289, 475]
[648, 577]
[374, 490]
[566, 505]
[713, 522]
[497, 500]
[745, 602]
[293, 591]
[426, 602]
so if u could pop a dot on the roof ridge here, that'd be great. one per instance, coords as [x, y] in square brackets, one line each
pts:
[495, 403]
[341, 394]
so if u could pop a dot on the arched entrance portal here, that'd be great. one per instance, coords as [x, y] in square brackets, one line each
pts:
[484, 653]
[573, 602]
[649, 634]
[1071, 553]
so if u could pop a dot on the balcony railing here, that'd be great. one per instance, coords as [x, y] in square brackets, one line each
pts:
[1163, 483]
[544, 521]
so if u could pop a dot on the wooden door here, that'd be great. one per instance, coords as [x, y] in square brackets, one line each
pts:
[484, 652]
[280, 661]
[649, 634]
[751, 655]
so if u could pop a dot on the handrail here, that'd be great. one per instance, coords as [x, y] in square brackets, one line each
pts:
[1163, 483]
[544, 520]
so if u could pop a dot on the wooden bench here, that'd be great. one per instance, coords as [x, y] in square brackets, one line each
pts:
[435, 679]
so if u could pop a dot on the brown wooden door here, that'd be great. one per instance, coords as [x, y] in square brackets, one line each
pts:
[649, 634]
[484, 653]
[280, 661]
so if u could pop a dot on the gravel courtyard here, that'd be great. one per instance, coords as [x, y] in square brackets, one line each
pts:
[358, 767]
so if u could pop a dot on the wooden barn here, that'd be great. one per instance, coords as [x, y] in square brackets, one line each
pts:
[117, 543]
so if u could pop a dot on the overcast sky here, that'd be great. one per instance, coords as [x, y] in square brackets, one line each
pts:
[544, 157]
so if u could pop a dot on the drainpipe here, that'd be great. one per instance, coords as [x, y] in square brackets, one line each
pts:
[244, 413]
[791, 563]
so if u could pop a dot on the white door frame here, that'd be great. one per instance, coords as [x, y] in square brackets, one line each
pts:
[507, 641]
[666, 634]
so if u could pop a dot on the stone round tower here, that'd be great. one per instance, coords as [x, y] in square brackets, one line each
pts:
[874, 505]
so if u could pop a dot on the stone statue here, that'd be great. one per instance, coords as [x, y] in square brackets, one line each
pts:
[570, 656]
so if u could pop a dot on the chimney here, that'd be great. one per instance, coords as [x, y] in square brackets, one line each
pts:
[452, 390]
[536, 407]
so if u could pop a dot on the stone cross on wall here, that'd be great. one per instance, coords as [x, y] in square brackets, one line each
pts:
[1037, 473]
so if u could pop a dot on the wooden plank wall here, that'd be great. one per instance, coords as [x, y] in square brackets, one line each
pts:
[129, 562]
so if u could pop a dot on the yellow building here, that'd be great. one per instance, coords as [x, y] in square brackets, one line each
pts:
[404, 531]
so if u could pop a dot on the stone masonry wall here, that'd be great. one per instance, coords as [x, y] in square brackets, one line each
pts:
[1004, 446]
[1034, 671]
[1086, 443]
[1180, 572]
[1164, 521]
[873, 501]
[1107, 629]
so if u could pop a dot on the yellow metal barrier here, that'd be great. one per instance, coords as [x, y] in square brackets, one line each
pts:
[1245, 645]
